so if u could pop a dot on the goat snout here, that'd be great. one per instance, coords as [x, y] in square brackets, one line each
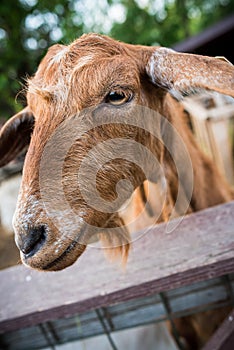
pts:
[32, 240]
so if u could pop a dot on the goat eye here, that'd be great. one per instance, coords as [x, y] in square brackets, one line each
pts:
[118, 98]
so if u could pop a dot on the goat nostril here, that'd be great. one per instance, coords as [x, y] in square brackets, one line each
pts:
[33, 241]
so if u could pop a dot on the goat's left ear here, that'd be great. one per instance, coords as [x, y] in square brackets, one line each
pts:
[15, 135]
[180, 72]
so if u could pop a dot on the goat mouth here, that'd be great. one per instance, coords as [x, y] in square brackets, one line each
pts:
[55, 264]
[59, 263]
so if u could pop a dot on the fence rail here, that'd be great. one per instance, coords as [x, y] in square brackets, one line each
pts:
[192, 267]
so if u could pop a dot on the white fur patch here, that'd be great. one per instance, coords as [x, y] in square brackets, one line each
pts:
[28, 211]
[59, 56]
[31, 212]
[157, 67]
[163, 73]
[83, 61]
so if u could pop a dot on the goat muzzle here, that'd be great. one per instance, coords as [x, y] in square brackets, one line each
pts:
[31, 241]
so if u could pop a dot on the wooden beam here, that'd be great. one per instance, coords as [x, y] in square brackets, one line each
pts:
[206, 36]
[201, 247]
[223, 338]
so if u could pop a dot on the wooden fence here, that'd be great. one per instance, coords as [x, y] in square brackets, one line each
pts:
[168, 275]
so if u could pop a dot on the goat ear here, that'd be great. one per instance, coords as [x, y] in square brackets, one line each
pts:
[180, 72]
[15, 135]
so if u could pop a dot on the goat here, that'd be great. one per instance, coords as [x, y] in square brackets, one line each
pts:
[95, 76]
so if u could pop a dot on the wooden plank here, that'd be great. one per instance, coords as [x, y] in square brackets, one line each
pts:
[206, 36]
[201, 247]
[141, 311]
[223, 338]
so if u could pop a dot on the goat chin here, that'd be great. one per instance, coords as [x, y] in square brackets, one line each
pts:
[67, 258]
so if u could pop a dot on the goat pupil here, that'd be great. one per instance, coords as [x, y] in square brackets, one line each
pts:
[118, 98]
[114, 96]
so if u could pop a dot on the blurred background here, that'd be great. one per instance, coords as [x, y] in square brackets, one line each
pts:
[29, 27]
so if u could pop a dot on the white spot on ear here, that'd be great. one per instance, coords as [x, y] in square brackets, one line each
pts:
[157, 68]
[176, 94]
[150, 68]
[162, 72]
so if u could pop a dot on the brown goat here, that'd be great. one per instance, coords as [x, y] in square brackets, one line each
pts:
[92, 77]
[103, 76]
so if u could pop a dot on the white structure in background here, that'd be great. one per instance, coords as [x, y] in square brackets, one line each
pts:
[212, 119]
[151, 337]
[9, 189]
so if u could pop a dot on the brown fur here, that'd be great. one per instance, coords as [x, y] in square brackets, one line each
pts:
[78, 78]
[71, 79]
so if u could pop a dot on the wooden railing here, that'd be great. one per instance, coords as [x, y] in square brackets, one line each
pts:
[191, 267]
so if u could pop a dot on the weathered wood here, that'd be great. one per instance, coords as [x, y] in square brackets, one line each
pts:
[141, 311]
[201, 247]
[223, 338]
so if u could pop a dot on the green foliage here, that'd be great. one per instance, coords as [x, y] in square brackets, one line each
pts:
[29, 27]
[169, 21]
